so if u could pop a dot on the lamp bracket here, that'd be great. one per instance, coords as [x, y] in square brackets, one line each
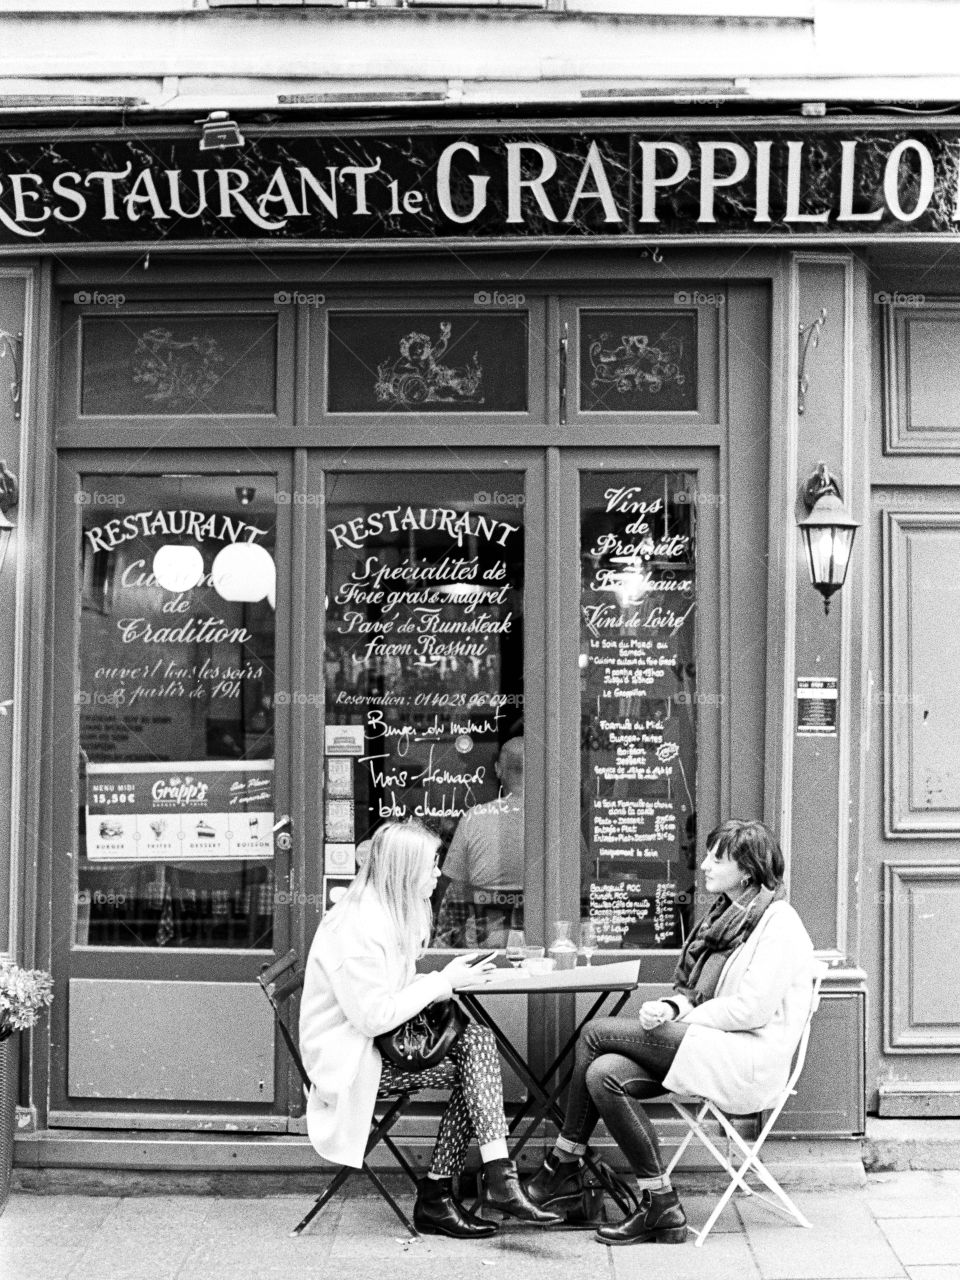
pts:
[11, 344]
[819, 485]
[809, 335]
[9, 489]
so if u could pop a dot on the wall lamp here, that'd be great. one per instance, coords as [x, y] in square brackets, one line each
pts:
[219, 133]
[9, 497]
[828, 532]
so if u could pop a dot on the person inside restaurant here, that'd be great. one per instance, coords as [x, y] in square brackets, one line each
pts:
[728, 1030]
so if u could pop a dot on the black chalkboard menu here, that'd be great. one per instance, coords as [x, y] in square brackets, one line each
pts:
[424, 649]
[638, 698]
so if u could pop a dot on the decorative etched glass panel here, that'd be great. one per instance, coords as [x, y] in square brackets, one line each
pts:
[175, 712]
[634, 361]
[134, 366]
[427, 362]
[424, 684]
[638, 705]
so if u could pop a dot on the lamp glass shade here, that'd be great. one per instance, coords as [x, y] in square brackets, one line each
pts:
[178, 568]
[244, 572]
[828, 549]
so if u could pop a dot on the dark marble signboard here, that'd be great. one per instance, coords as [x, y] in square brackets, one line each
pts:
[683, 179]
[638, 699]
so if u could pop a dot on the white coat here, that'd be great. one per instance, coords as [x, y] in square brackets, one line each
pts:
[356, 985]
[740, 1045]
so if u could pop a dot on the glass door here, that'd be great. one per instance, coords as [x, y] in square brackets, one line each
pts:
[433, 703]
[640, 691]
[173, 828]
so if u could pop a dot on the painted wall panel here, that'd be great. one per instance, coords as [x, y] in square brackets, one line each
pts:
[923, 921]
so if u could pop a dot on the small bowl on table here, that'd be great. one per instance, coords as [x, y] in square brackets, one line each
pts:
[539, 964]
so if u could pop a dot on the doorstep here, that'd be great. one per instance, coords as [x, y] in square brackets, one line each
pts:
[898, 1145]
[101, 1161]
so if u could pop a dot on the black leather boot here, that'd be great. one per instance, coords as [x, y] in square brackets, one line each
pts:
[557, 1184]
[502, 1190]
[437, 1213]
[660, 1218]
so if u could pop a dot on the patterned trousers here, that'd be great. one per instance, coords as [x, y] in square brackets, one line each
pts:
[472, 1071]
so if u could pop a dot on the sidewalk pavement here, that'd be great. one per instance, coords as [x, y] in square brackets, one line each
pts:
[897, 1225]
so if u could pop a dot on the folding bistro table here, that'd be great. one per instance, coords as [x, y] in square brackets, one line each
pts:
[610, 982]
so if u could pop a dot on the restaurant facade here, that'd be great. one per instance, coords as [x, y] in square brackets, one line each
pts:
[351, 445]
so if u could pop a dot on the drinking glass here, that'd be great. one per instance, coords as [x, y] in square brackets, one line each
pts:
[515, 947]
[588, 939]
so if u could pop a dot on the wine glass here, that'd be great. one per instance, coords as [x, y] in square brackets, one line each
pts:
[588, 939]
[515, 947]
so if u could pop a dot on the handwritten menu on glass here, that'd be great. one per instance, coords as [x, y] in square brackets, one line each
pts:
[638, 700]
[424, 643]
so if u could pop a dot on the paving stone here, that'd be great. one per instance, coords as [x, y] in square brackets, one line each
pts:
[934, 1273]
[915, 1194]
[27, 1262]
[924, 1241]
[723, 1257]
[844, 1242]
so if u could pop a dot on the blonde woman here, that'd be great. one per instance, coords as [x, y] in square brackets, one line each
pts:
[360, 981]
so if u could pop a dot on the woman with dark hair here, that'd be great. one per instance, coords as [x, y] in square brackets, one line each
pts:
[728, 1030]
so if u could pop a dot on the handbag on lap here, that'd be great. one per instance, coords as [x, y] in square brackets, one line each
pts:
[424, 1040]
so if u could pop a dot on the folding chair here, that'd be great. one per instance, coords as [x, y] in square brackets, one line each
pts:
[280, 981]
[706, 1110]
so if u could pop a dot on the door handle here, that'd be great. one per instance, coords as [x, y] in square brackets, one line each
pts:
[564, 347]
[283, 833]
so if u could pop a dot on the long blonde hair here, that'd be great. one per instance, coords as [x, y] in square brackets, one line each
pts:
[393, 870]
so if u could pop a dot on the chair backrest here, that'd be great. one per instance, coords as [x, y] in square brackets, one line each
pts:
[278, 982]
[800, 1055]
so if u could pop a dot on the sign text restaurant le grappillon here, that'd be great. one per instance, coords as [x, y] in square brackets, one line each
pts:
[606, 182]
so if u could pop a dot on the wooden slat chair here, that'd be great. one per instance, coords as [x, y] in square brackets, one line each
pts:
[280, 982]
[696, 1112]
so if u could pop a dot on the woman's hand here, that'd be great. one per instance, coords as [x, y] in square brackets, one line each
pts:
[461, 972]
[653, 1012]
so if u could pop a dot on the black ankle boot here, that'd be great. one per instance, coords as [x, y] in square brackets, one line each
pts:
[557, 1184]
[660, 1218]
[437, 1213]
[502, 1190]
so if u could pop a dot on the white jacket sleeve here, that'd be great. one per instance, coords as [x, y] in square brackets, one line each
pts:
[362, 987]
[781, 950]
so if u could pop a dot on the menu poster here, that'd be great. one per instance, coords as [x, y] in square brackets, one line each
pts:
[816, 707]
[179, 811]
[424, 639]
[638, 703]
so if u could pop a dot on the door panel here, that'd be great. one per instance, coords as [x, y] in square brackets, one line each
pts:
[171, 651]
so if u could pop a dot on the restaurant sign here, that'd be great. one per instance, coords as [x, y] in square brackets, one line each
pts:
[776, 181]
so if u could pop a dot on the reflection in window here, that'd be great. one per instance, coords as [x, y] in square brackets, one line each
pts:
[175, 710]
[424, 682]
[638, 698]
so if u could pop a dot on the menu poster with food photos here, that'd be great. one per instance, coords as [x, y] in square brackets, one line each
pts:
[179, 811]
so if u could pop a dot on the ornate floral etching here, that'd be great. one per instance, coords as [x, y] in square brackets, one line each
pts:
[632, 364]
[419, 377]
[176, 375]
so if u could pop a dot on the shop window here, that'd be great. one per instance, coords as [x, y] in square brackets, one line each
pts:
[637, 361]
[638, 700]
[424, 684]
[438, 362]
[176, 365]
[175, 712]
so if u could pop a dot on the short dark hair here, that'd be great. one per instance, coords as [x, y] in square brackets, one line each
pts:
[753, 847]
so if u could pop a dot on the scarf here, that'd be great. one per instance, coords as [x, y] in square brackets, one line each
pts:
[722, 931]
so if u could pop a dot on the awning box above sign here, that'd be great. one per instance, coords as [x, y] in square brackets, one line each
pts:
[777, 181]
